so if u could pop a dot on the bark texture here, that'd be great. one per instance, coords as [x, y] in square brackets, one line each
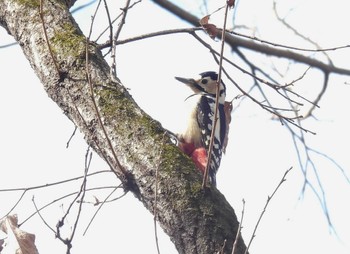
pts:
[134, 145]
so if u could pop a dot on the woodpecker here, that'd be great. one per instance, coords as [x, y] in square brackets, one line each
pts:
[195, 140]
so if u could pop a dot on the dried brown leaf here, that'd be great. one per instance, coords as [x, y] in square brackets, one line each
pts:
[204, 20]
[17, 239]
[211, 29]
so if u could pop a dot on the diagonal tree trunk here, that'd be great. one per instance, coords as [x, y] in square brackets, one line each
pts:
[135, 146]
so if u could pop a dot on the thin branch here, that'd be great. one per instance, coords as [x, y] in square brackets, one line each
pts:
[41, 217]
[61, 198]
[70, 138]
[41, 12]
[81, 194]
[212, 136]
[339, 167]
[98, 148]
[91, 86]
[82, 190]
[319, 193]
[236, 41]
[81, 7]
[239, 229]
[100, 207]
[53, 183]
[273, 84]
[278, 45]
[115, 38]
[266, 107]
[320, 95]
[295, 31]
[93, 18]
[27, 189]
[113, 21]
[256, 78]
[150, 35]
[269, 198]
[122, 22]
[113, 48]
[8, 45]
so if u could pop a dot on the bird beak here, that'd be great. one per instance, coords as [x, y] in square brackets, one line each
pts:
[189, 82]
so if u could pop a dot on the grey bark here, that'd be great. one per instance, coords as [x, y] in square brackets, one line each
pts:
[135, 146]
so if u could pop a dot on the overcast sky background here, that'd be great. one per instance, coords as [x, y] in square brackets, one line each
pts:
[34, 133]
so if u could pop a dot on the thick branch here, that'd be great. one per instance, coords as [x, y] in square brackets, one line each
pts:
[235, 41]
[133, 144]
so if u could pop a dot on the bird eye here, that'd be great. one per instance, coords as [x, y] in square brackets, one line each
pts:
[204, 81]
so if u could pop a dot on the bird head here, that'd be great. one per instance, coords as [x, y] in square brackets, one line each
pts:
[205, 85]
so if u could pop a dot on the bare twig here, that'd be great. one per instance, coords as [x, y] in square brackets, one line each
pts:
[87, 127]
[27, 189]
[41, 12]
[238, 230]
[278, 45]
[318, 190]
[320, 95]
[81, 194]
[93, 18]
[91, 85]
[110, 26]
[61, 198]
[53, 183]
[295, 31]
[70, 138]
[115, 38]
[41, 217]
[212, 136]
[81, 7]
[269, 107]
[264, 209]
[275, 87]
[8, 45]
[150, 35]
[236, 41]
[102, 203]
[88, 158]
[122, 22]
[113, 21]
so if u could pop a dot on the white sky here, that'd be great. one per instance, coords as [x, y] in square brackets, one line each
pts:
[34, 132]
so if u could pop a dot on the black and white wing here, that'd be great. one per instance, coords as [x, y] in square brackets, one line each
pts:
[205, 115]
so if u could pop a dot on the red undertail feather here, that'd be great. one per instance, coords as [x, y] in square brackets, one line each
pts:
[198, 155]
[200, 158]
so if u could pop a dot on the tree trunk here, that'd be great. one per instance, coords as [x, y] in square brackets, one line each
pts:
[135, 146]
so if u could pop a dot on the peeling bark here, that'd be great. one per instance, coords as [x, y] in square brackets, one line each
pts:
[133, 144]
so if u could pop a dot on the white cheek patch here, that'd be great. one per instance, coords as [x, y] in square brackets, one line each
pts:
[212, 87]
